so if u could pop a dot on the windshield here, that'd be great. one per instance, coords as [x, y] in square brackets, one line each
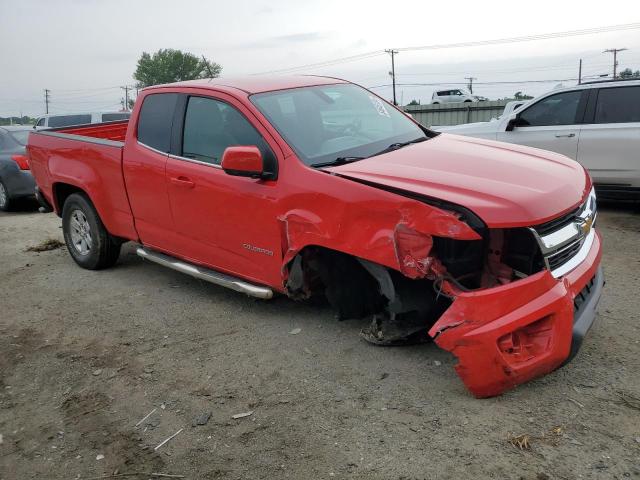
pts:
[330, 121]
[20, 136]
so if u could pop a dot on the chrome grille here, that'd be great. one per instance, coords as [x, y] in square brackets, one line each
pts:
[557, 259]
[566, 240]
[557, 223]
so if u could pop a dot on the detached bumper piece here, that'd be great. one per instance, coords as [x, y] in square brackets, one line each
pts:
[508, 335]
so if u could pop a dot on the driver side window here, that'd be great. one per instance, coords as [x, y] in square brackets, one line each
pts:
[210, 126]
[559, 109]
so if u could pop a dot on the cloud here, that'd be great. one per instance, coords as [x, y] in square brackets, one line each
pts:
[299, 37]
[280, 41]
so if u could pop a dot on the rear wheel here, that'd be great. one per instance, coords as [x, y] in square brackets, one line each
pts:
[5, 201]
[88, 241]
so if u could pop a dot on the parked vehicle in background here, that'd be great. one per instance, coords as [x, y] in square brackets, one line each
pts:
[453, 95]
[512, 106]
[597, 124]
[55, 120]
[312, 186]
[16, 181]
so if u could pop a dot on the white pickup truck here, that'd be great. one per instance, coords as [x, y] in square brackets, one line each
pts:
[597, 124]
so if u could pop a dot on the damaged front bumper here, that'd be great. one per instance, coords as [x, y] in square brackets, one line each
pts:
[507, 335]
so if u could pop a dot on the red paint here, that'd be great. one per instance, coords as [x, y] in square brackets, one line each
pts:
[242, 160]
[479, 326]
[107, 131]
[506, 185]
[252, 228]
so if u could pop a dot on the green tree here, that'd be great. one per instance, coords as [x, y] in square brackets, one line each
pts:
[521, 96]
[628, 73]
[414, 102]
[168, 66]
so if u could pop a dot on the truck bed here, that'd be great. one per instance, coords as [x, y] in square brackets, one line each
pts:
[86, 158]
[114, 131]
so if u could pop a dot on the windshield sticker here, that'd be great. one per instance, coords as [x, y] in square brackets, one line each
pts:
[377, 103]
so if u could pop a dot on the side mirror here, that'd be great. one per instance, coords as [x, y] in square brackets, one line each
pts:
[243, 161]
[512, 122]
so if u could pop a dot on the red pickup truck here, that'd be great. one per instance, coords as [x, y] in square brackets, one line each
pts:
[311, 186]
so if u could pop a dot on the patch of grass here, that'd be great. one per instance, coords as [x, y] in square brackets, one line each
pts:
[48, 244]
[522, 442]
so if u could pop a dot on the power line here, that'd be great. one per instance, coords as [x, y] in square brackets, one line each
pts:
[541, 68]
[528, 38]
[326, 63]
[514, 82]
[75, 90]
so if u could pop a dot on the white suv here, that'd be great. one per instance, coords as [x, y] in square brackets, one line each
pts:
[597, 124]
[453, 95]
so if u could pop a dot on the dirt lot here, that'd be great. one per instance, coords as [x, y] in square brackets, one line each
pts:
[84, 356]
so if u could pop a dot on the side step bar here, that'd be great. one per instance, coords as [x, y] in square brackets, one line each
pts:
[205, 274]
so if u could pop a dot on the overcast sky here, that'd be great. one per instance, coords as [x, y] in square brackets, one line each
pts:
[83, 50]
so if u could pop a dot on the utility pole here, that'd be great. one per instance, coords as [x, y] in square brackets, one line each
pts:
[580, 72]
[47, 99]
[471, 79]
[126, 97]
[393, 52]
[615, 52]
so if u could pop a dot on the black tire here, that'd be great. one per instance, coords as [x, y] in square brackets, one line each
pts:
[88, 241]
[5, 199]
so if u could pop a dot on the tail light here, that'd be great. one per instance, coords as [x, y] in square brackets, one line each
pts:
[22, 161]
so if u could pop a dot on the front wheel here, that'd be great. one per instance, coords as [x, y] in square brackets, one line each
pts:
[5, 201]
[88, 241]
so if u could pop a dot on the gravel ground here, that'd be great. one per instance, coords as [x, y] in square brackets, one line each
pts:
[84, 356]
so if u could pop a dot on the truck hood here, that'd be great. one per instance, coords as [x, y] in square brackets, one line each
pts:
[506, 185]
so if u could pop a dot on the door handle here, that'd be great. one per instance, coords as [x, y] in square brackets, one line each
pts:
[183, 182]
[565, 135]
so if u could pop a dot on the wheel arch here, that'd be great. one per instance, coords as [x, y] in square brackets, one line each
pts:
[61, 191]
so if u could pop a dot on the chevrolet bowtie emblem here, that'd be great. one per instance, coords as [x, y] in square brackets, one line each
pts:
[586, 225]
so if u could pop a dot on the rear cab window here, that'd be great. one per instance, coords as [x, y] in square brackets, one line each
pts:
[155, 121]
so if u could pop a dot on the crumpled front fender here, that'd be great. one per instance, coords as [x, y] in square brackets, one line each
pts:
[398, 236]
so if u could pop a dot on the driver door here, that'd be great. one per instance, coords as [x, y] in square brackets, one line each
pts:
[225, 222]
[552, 123]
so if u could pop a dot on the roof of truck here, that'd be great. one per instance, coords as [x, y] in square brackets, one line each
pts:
[256, 84]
